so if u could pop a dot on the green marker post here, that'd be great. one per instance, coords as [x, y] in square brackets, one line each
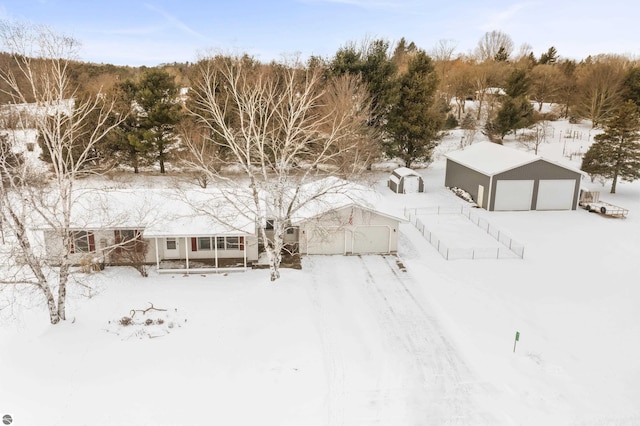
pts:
[516, 341]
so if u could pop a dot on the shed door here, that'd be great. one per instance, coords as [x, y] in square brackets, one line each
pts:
[325, 241]
[411, 184]
[513, 195]
[555, 194]
[371, 239]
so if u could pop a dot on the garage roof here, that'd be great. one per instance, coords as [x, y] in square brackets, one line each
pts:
[491, 158]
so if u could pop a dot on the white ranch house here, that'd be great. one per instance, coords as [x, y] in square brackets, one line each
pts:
[158, 228]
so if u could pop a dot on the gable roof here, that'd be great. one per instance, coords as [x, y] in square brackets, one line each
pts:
[339, 194]
[405, 171]
[158, 213]
[391, 216]
[491, 158]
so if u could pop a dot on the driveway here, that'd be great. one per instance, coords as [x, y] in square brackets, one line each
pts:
[387, 358]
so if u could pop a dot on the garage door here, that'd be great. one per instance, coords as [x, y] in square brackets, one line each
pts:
[371, 239]
[555, 194]
[325, 241]
[513, 195]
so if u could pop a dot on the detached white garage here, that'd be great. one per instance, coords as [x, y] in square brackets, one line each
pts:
[352, 229]
[505, 179]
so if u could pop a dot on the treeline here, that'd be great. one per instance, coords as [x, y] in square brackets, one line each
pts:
[413, 95]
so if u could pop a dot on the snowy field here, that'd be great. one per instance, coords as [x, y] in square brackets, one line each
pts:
[372, 340]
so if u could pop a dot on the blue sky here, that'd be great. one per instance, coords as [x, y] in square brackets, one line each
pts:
[132, 32]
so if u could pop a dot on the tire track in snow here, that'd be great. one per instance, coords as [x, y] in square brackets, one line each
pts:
[334, 365]
[442, 380]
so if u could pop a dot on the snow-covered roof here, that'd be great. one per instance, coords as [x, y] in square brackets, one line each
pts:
[405, 171]
[491, 158]
[160, 213]
[339, 194]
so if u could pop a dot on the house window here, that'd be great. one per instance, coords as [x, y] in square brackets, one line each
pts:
[82, 242]
[204, 243]
[269, 225]
[129, 240]
[220, 243]
[290, 231]
[172, 244]
[233, 243]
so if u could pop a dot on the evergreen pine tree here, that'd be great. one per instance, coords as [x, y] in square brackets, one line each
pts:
[616, 152]
[549, 57]
[124, 143]
[156, 96]
[415, 120]
[632, 85]
[517, 84]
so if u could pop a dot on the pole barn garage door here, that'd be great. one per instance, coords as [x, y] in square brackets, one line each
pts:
[555, 194]
[371, 239]
[325, 241]
[513, 195]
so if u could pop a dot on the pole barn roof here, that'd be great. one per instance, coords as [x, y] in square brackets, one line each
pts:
[491, 158]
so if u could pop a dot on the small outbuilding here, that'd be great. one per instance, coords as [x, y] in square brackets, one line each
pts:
[404, 180]
[500, 178]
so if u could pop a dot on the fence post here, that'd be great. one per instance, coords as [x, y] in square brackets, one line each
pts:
[473, 254]
[498, 236]
[447, 253]
[498, 253]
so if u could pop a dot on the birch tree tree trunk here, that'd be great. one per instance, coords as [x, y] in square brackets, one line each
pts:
[283, 126]
[69, 127]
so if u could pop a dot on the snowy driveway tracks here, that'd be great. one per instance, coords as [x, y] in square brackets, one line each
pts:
[387, 358]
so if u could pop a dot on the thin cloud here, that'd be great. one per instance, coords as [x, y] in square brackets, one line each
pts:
[174, 21]
[504, 18]
[364, 4]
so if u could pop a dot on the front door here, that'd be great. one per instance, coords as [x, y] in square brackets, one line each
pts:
[171, 248]
[480, 196]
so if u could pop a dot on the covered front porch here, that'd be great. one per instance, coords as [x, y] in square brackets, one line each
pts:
[203, 253]
[200, 266]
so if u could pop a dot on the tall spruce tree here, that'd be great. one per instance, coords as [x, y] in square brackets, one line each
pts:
[124, 143]
[157, 98]
[616, 152]
[415, 121]
[515, 113]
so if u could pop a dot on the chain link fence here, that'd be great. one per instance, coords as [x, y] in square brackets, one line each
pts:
[509, 248]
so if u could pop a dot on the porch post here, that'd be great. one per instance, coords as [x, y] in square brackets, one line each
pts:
[244, 247]
[186, 252]
[157, 254]
[215, 249]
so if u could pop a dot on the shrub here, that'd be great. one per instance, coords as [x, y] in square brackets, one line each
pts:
[451, 122]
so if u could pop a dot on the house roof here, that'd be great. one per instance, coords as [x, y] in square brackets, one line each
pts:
[160, 213]
[491, 158]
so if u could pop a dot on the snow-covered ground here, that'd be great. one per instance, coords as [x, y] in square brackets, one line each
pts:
[372, 340]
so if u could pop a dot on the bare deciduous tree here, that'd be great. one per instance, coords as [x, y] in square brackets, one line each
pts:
[536, 136]
[70, 128]
[545, 84]
[492, 43]
[600, 88]
[442, 55]
[282, 126]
